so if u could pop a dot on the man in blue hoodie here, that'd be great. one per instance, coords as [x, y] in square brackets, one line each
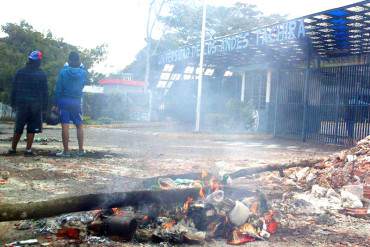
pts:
[68, 99]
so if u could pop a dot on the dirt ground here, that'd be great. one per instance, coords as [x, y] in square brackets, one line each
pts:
[117, 155]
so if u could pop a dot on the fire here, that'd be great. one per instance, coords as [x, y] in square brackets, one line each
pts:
[254, 207]
[146, 218]
[187, 203]
[118, 212]
[202, 193]
[169, 225]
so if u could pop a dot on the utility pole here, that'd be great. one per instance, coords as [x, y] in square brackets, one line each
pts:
[149, 31]
[201, 61]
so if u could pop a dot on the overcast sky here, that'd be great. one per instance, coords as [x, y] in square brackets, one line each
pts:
[121, 23]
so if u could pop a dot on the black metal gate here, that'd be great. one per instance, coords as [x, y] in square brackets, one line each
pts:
[332, 108]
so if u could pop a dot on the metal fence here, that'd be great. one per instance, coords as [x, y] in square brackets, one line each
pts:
[333, 108]
[256, 92]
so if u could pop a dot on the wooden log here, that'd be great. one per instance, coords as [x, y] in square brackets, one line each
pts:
[43, 209]
[241, 173]
[270, 168]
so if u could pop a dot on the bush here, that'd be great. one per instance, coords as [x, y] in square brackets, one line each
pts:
[87, 120]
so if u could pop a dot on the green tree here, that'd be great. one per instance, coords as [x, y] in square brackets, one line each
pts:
[22, 38]
[182, 23]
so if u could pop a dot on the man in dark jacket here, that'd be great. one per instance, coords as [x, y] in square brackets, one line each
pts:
[29, 98]
[68, 100]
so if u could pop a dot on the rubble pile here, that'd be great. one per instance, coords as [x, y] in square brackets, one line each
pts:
[214, 215]
[341, 182]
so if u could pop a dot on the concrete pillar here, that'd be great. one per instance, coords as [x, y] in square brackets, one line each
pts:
[268, 86]
[264, 113]
[242, 93]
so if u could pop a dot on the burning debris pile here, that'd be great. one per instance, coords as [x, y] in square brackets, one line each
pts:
[341, 182]
[328, 193]
[214, 214]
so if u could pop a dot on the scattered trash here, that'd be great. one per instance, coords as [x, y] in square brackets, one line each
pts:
[43, 140]
[23, 243]
[212, 216]
[338, 183]
[239, 214]
[24, 225]
[68, 232]
[3, 181]
[4, 175]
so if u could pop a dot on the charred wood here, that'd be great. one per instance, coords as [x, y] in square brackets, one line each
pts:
[54, 207]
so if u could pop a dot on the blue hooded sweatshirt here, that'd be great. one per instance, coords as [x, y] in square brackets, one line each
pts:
[70, 83]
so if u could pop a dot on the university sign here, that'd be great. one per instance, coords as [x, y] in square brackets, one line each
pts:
[292, 30]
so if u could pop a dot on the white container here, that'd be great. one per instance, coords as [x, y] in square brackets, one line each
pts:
[239, 214]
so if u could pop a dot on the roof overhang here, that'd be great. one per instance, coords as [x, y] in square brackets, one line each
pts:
[337, 32]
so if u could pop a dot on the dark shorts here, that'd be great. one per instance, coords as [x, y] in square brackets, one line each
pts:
[70, 111]
[30, 115]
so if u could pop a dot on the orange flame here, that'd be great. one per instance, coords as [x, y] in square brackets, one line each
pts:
[169, 225]
[202, 193]
[254, 208]
[118, 212]
[187, 204]
[145, 218]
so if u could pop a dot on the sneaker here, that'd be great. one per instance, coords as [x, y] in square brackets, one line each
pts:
[81, 153]
[63, 154]
[11, 152]
[28, 153]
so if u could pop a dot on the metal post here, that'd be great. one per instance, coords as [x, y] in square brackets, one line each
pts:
[337, 102]
[276, 102]
[149, 31]
[147, 59]
[201, 61]
[268, 100]
[268, 85]
[305, 95]
[260, 92]
[242, 93]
